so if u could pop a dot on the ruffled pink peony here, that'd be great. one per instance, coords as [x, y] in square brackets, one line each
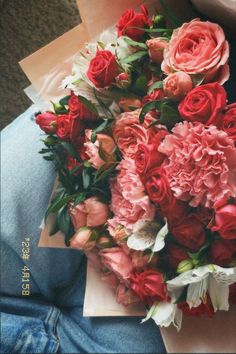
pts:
[128, 132]
[129, 201]
[201, 164]
[198, 47]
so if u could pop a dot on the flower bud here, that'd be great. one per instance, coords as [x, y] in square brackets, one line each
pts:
[129, 104]
[84, 239]
[184, 266]
[177, 85]
[47, 122]
[123, 80]
[156, 47]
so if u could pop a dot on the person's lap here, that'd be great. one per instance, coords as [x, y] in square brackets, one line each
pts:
[50, 318]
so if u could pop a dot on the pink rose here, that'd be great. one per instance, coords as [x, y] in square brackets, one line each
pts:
[225, 219]
[128, 132]
[129, 201]
[117, 261]
[83, 239]
[101, 151]
[198, 47]
[156, 47]
[90, 213]
[123, 80]
[176, 85]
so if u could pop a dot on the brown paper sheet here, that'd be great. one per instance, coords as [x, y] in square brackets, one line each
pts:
[45, 68]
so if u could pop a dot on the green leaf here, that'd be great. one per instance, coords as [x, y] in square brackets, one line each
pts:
[70, 149]
[149, 107]
[88, 104]
[64, 101]
[49, 157]
[134, 43]
[63, 220]
[80, 198]
[54, 228]
[43, 151]
[86, 178]
[140, 86]
[197, 79]
[58, 108]
[169, 116]
[104, 172]
[155, 85]
[153, 30]
[99, 129]
[57, 204]
[133, 57]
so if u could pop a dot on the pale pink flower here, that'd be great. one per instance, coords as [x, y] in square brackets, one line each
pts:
[90, 213]
[126, 296]
[201, 164]
[129, 201]
[156, 47]
[117, 261]
[198, 47]
[82, 239]
[128, 132]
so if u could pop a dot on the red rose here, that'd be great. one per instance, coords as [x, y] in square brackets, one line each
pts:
[72, 163]
[204, 215]
[157, 187]
[204, 308]
[189, 232]
[175, 255]
[222, 252]
[149, 286]
[228, 123]
[64, 123]
[131, 19]
[78, 109]
[103, 69]
[47, 122]
[224, 221]
[156, 94]
[204, 104]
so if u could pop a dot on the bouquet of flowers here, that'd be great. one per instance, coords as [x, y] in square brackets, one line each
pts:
[145, 150]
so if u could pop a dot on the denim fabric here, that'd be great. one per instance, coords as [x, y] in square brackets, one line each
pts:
[50, 319]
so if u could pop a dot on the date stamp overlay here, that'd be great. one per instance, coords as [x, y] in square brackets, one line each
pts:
[25, 271]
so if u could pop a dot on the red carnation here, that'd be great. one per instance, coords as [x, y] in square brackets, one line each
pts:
[149, 286]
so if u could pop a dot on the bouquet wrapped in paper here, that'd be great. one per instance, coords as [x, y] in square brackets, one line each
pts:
[144, 146]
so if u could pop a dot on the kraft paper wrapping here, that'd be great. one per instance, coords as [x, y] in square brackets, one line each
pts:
[45, 69]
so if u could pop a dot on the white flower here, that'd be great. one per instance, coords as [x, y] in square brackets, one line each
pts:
[147, 234]
[211, 278]
[165, 313]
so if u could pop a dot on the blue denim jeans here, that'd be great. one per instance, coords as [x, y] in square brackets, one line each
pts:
[42, 296]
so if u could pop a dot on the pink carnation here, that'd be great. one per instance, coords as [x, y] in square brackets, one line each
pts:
[201, 165]
[128, 132]
[129, 201]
